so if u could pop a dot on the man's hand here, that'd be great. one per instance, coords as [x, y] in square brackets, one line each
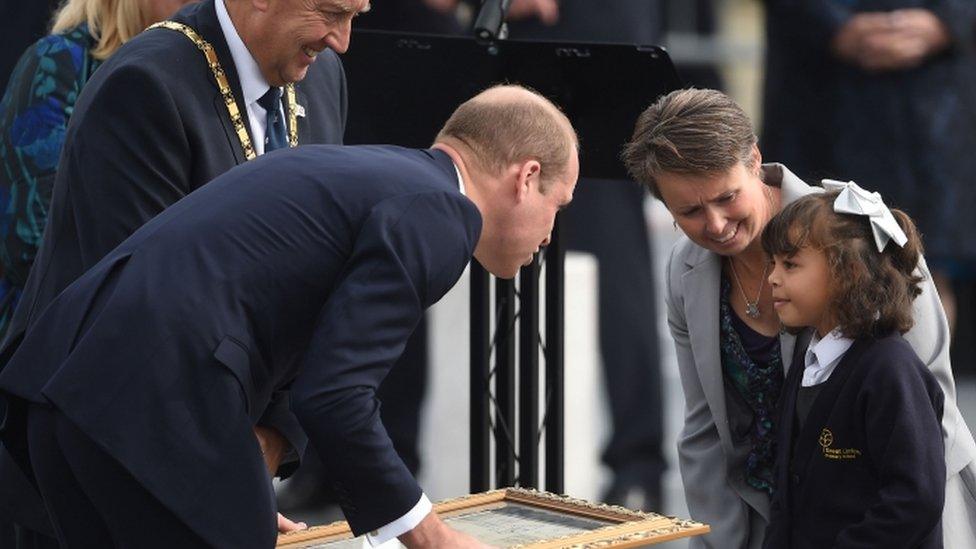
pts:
[273, 447]
[888, 41]
[433, 533]
[443, 6]
[546, 11]
[286, 525]
[848, 43]
[923, 26]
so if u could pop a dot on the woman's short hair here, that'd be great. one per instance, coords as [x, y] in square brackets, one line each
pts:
[110, 22]
[513, 125]
[872, 291]
[688, 132]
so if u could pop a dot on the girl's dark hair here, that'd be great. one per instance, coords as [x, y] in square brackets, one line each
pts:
[872, 292]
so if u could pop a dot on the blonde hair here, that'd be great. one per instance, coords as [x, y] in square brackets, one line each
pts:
[110, 22]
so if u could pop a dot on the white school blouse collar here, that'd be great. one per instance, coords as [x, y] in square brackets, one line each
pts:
[823, 356]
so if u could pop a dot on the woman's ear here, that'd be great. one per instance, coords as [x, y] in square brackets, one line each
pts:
[756, 159]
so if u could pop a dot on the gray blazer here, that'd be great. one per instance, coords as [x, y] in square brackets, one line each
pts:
[711, 457]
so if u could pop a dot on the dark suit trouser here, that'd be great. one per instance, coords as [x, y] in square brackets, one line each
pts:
[91, 499]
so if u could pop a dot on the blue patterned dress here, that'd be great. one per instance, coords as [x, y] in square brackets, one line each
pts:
[34, 113]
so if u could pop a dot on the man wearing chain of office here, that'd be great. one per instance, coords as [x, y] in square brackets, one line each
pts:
[220, 83]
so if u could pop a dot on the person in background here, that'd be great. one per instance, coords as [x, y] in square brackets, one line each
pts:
[883, 91]
[425, 16]
[859, 455]
[39, 98]
[27, 22]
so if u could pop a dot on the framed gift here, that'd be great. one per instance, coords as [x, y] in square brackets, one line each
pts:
[527, 519]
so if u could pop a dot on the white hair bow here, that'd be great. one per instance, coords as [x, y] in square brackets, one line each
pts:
[855, 200]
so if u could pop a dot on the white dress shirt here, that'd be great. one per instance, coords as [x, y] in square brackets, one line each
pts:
[460, 180]
[386, 536]
[253, 84]
[823, 356]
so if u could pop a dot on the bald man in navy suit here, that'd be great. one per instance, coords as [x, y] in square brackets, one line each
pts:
[134, 395]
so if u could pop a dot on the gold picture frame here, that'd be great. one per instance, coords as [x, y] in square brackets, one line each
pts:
[515, 517]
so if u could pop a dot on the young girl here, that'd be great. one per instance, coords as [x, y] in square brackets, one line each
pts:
[859, 459]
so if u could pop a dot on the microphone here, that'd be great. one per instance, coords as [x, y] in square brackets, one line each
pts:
[490, 23]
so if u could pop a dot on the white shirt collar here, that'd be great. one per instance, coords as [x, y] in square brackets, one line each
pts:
[253, 84]
[460, 180]
[823, 356]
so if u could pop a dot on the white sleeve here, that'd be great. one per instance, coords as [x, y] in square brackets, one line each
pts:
[401, 525]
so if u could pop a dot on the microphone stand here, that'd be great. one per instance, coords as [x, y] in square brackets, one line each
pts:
[489, 25]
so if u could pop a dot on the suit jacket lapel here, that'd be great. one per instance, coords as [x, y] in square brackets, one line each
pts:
[702, 285]
[203, 19]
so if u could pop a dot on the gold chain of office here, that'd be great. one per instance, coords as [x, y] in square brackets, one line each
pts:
[236, 116]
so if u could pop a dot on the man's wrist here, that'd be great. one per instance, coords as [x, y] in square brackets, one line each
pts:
[273, 446]
[426, 533]
[392, 530]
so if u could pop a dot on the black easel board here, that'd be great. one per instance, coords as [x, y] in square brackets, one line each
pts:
[403, 87]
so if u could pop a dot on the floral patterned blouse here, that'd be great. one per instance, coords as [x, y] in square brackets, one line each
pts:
[34, 114]
[753, 364]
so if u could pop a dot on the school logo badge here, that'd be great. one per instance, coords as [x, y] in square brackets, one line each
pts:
[827, 439]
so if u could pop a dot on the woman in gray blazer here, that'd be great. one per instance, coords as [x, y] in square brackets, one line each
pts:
[696, 151]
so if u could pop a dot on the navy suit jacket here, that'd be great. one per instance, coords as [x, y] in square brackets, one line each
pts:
[306, 268]
[148, 128]
[868, 468]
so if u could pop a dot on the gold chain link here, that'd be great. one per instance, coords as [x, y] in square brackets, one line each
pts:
[236, 116]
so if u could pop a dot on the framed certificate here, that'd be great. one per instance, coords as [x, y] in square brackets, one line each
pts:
[528, 519]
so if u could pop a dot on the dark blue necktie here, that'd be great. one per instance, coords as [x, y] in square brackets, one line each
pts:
[275, 137]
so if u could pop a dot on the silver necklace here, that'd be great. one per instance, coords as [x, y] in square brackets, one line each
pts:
[752, 307]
